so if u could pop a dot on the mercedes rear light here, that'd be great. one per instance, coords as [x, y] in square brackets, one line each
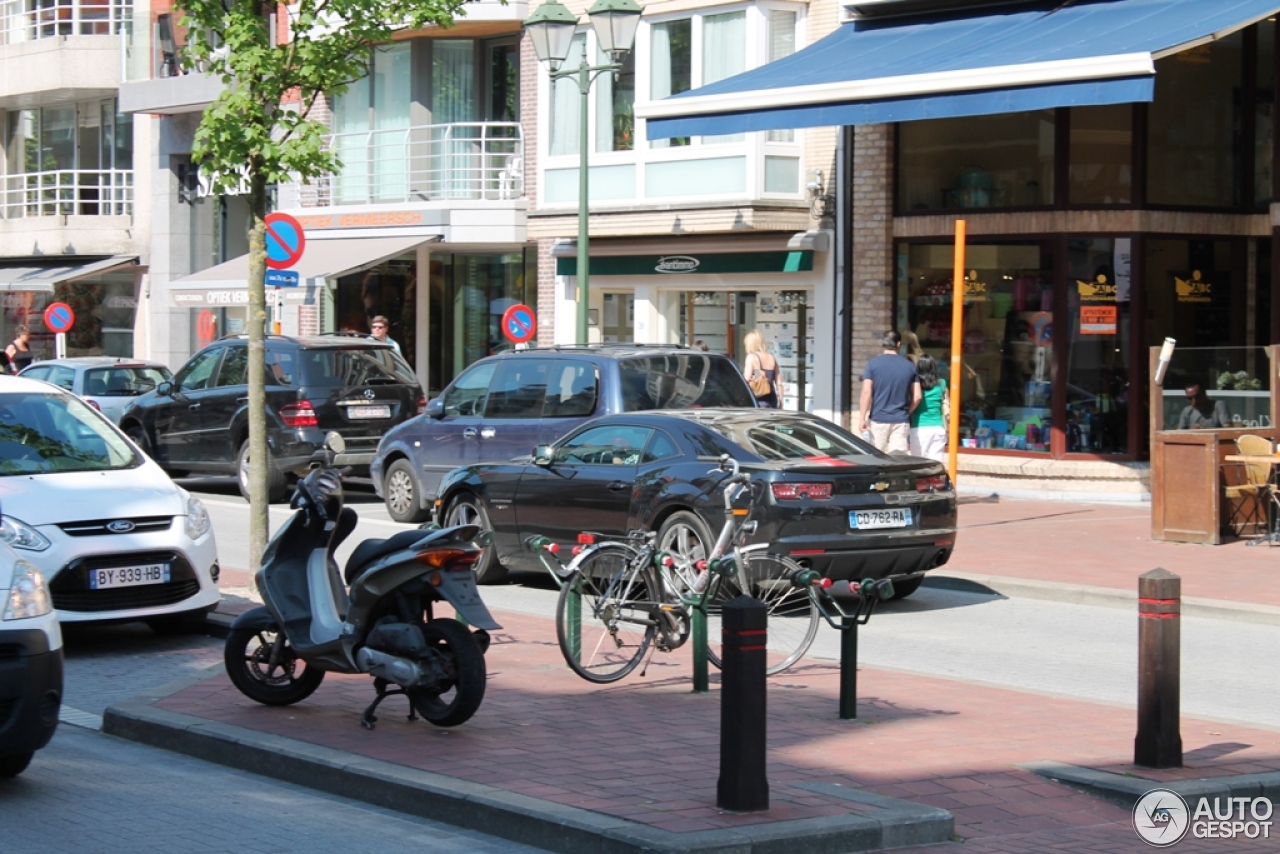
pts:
[784, 491]
[300, 414]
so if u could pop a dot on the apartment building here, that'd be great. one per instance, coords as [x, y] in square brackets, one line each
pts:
[696, 239]
[424, 223]
[70, 229]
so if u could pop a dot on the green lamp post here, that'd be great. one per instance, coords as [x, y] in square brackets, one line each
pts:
[552, 28]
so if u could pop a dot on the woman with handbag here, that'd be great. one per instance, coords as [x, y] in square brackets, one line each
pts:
[761, 371]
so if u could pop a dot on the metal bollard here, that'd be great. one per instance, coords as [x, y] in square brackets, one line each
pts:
[1159, 740]
[849, 671]
[701, 672]
[743, 786]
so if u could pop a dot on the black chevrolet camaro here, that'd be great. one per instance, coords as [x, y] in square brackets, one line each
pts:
[820, 495]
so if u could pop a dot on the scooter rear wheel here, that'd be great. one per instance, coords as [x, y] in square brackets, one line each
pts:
[461, 697]
[247, 657]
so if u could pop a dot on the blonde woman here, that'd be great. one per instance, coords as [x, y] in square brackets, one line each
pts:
[761, 371]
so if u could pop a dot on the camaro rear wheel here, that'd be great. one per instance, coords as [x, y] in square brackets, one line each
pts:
[466, 509]
[266, 668]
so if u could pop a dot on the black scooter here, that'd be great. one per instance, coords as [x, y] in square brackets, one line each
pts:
[380, 622]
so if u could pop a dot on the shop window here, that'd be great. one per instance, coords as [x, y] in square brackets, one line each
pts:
[999, 161]
[1101, 155]
[1098, 392]
[1194, 291]
[1193, 145]
[1007, 331]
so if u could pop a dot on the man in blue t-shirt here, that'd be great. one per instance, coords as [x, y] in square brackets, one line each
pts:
[890, 391]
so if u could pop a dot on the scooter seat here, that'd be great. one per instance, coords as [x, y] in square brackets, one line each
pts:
[370, 550]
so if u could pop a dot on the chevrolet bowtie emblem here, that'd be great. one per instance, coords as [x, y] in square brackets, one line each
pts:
[879, 487]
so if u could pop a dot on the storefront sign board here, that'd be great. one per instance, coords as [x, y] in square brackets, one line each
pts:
[1098, 319]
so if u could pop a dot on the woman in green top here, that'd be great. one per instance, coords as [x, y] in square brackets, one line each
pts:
[928, 437]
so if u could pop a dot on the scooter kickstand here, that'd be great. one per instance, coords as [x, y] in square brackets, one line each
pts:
[368, 718]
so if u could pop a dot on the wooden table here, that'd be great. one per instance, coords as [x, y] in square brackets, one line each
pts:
[1273, 490]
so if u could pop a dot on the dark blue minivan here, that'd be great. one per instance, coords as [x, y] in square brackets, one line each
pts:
[503, 406]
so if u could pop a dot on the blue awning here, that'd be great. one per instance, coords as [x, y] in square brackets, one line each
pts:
[1087, 53]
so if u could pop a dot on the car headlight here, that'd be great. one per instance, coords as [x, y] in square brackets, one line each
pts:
[28, 594]
[20, 535]
[197, 522]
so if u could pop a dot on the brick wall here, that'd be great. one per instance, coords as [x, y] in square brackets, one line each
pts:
[871, 227]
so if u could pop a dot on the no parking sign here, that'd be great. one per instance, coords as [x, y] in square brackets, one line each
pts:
[519, 324]
[59, 318]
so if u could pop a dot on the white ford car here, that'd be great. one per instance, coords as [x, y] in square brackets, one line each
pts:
[115, 537]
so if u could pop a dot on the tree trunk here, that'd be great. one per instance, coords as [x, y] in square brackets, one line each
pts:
[259, 523]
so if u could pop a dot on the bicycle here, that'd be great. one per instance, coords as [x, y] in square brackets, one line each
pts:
[620, 598]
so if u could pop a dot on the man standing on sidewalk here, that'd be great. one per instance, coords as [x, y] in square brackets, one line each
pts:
[890, 391]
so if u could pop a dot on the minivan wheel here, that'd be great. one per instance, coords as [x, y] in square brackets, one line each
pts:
[276, 487]
[400, 492]
[466, 509]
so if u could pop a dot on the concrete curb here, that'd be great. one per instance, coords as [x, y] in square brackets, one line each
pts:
[891, 823]
[1127, 789]
[1105, 597]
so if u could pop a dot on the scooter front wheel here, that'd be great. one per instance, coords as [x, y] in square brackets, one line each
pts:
[266, 668]
[458, 699]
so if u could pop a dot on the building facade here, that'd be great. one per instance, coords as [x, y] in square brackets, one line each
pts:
[70, 228]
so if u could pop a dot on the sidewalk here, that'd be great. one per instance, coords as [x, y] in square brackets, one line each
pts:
[556, 762]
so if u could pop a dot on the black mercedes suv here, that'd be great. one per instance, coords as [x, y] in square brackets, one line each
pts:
[198, 423]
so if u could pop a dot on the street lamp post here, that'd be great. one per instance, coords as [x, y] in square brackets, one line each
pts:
[552, 28]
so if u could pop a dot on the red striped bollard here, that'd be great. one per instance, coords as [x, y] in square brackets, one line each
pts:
[1159, 741]
[743, 786]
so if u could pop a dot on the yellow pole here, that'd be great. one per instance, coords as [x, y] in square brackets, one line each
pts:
[957, 340]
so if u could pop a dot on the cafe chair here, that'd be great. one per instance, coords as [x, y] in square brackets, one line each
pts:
[1251, 496]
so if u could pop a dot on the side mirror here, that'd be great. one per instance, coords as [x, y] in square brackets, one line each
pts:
[542, 455]
[164, 389]
[435, 408]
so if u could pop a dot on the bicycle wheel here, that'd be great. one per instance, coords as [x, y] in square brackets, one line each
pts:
[793, 616]
[604, 617]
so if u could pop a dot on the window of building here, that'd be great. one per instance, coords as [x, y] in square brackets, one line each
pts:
[781, 43]
[1007, 334]
[565, 124]
[75, 159]
[1264, 105]
[1002, 161]
[1101, 155]
[671, 65]
[615, 99]
[1193, 127]
[369, 121]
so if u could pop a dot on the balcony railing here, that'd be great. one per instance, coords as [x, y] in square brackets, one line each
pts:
[70, 192]
[28, 20]
[464, 160]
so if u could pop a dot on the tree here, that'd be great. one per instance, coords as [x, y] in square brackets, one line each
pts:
[259, 133]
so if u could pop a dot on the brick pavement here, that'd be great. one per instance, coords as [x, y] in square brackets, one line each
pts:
[646, 749]
[546, 734]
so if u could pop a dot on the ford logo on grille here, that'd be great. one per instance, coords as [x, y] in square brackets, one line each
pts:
[120, 526]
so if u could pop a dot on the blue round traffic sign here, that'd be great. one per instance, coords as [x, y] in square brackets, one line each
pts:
[285, 241]
[519, 324]
[59, 317]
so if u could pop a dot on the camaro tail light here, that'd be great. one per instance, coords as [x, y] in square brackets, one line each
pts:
[932, 483]
[300, 414]
[794, 491]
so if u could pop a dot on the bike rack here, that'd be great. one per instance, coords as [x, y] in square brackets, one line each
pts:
[866, 594]
[548, 553]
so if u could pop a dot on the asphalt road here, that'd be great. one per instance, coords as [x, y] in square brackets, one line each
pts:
[1049, 647]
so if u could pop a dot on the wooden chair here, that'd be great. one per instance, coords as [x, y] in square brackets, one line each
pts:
[1249, 499]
